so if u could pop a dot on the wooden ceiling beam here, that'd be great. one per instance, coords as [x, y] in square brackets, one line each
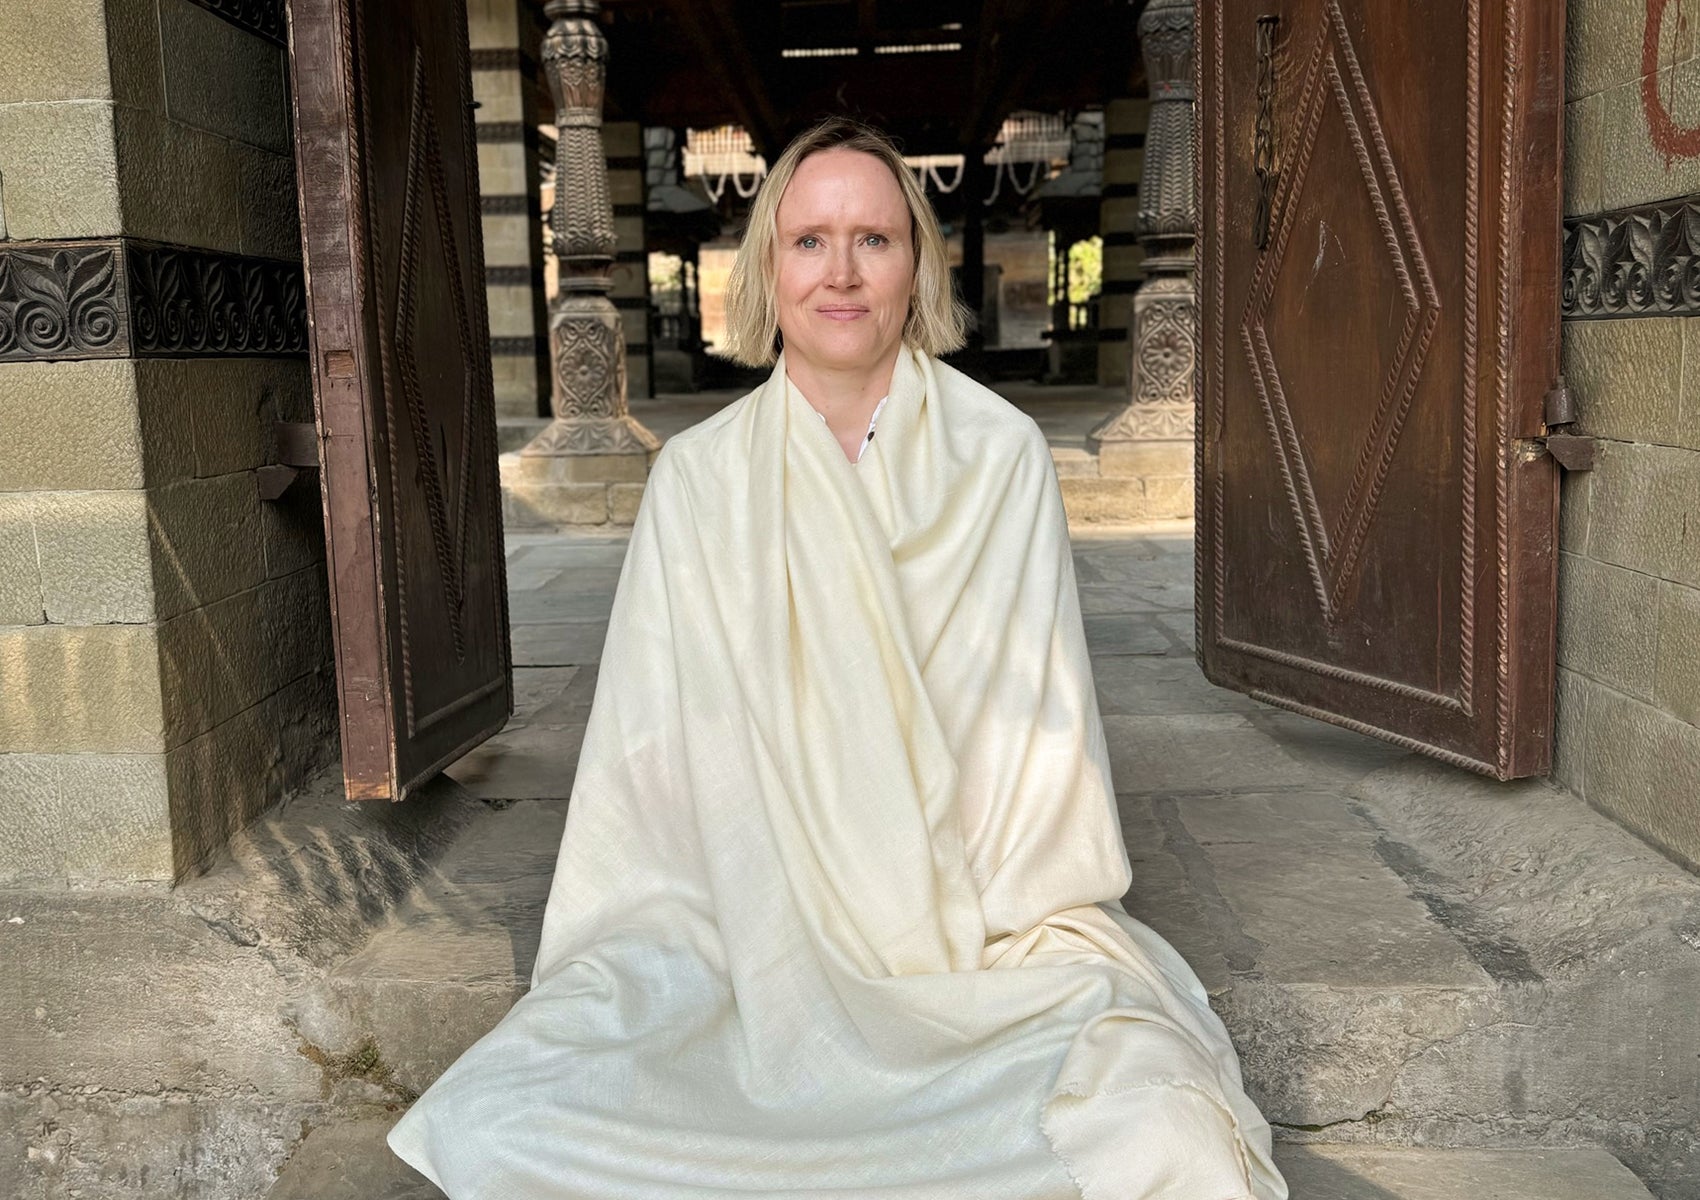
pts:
[723, 42]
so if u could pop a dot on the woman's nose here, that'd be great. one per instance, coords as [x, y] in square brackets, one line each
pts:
[841, 271]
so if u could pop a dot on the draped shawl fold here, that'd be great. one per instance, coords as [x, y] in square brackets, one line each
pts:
[836, 912]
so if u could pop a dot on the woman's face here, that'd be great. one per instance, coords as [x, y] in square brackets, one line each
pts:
[846, 262]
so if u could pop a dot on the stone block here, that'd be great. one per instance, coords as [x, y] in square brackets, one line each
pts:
[67, 689]
[1144, 459]
[1169, 497]
[1688, 425]
[207, 541]
[1574, 490]
[292, 529]
[548, 505]
[502, 168]
[1584, 154]
[69, 425]
[224, 778]
[1644, 769]
[509, 240]
[500, 95]
[133, 54]
[219, 660]
[95, 564]
[60, 176]
[1118, 214]
[1570, 731]
[1124, 165]
[516, 383]
[220, 78]
[1127, 114]
[205, 417]
[1644, 510]
[515, 311]
[20, 577]
[622, 139]
[84, 818]
[266, 217]
[1349, 1172]
[179, 184]
[1634, 171]
[1626, 377]
[625, 187]
[629, 232]
[1602, 45]
[1676, 672]
[1092, 500]
[574, 468]
[623, 502]
[1123, 262]
[1608, 623]
[53, 51]
[492, 24]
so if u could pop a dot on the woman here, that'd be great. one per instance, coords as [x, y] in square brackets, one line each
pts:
[836, 910]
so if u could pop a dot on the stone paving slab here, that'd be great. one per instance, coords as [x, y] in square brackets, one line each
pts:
[353, 1162]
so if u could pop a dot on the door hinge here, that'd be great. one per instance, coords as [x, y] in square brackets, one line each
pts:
[1571, 451]
[1560, 408]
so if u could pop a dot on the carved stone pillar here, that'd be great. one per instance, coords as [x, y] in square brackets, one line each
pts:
[1152, 436]
[593, 438]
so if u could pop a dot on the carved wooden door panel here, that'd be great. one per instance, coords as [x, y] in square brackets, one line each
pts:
[1379, 328]
[388, 187]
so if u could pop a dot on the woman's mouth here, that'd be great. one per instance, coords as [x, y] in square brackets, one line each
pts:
[842, 312]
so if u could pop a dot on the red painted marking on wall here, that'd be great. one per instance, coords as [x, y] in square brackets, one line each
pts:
[1669, 139]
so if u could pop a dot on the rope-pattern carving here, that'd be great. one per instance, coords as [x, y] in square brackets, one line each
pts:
[1472, 325]
[1451, 757]
[1502, 410]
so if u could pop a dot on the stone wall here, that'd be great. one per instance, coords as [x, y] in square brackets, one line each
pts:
[1124, 163]
[164, 635]
[1629, 633]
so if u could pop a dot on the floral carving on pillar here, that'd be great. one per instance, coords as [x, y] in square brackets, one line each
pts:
[587, 340]
[1165, 309]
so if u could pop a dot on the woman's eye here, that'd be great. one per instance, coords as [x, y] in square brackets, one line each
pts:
[876, 239]
[808, 243]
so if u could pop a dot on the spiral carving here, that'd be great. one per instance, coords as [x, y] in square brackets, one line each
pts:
[1633, 262]
[116, 299]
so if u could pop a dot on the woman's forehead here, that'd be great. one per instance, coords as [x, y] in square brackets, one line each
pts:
[842, 184]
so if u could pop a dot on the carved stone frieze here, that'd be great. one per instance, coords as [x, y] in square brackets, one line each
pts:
[1636, 262]
[1166, 421]
[263, 18]
[118, 299]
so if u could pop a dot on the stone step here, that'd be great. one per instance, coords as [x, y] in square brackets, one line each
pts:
[1405, 954]
[1088, 498]
[351, 1161]
[1374, 988]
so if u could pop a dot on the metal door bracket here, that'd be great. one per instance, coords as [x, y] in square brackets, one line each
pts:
[1572, 451]
[296, 445]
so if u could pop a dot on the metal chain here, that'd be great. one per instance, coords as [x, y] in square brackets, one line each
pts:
[1263, 137]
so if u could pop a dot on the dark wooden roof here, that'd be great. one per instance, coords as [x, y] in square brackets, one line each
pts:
[703, 63]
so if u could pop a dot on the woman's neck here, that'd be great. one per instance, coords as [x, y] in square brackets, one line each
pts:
[845, 397]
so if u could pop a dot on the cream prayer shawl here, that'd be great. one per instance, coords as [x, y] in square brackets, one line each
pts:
[836, 912]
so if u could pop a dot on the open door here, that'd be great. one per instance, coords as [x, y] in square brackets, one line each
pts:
[388, 186]
[1380, 215]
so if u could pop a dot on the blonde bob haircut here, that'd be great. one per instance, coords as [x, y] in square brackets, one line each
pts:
[937, 321]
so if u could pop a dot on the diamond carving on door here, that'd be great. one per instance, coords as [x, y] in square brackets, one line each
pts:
[1334, 508]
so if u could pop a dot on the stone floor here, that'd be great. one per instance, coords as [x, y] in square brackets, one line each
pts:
[1428, 975]
[1441, 988]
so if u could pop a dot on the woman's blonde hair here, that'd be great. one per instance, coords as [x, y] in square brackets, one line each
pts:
[937, 321]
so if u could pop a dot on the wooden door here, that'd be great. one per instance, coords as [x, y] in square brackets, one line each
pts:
[1376, 521]
[388, 187]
